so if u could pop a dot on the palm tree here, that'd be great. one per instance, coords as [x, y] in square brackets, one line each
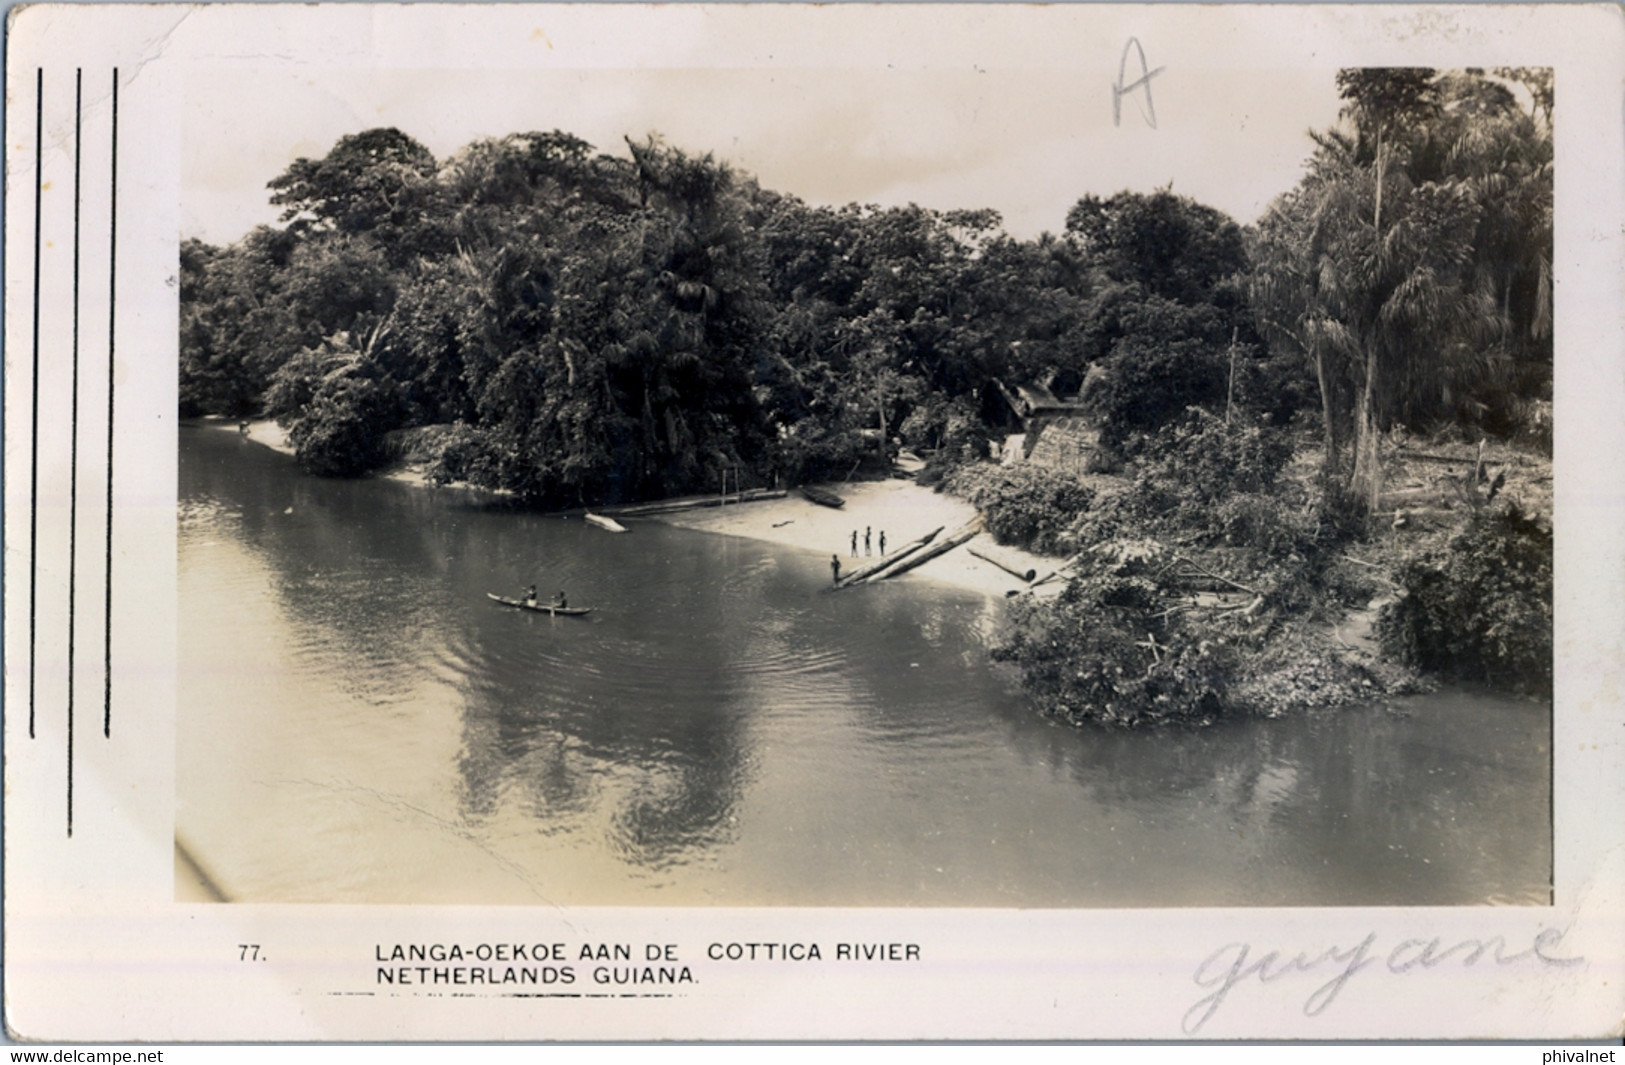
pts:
[1381, 267]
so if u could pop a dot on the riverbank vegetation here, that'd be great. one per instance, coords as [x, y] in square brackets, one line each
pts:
[1273, 408]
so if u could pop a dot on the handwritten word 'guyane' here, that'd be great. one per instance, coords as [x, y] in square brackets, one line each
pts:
[1223, 970]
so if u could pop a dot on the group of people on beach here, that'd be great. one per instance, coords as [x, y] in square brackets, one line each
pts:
[868, 541]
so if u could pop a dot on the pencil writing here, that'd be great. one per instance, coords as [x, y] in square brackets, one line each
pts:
[1226, 968]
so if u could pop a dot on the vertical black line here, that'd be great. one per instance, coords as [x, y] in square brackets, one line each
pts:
[33, 480]
[112, 289]
[73, 425]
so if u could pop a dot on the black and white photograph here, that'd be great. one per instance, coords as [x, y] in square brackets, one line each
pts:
[574, 514]
[777, 493]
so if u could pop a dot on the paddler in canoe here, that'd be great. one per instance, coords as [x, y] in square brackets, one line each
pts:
[530, 596]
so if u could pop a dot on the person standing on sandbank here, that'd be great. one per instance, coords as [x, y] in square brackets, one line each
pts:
[835, 567]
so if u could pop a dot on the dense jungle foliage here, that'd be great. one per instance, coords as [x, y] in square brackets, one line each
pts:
[1480, 607]
[581, 327]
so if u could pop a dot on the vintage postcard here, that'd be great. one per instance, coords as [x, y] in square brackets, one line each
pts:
[787, 521]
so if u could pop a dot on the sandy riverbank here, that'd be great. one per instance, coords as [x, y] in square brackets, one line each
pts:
[271, 435]
[902, 509]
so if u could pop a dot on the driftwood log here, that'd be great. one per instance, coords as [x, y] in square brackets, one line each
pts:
[1059, 571]
[886, 560]
[1020, 574]
[1418, 456]
[920, 558]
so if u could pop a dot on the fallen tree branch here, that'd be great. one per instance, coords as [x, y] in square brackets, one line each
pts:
[1247, 609]
[1058, 570]
[1215, 576]
[1025, 575]
[1424, 457]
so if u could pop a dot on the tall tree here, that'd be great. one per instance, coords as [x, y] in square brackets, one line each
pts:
[1163, 308]
[1385, 268]
[1386, 105]
[367, 179]
[379, 183]
[1171, 246]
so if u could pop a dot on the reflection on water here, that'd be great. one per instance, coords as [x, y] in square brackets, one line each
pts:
[359, 723]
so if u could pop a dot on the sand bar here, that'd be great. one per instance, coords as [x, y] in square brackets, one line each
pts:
[902, 509]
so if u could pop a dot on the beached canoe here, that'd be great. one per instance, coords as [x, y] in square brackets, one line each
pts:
[607, 524]
[541, 607]
[822, 496]
[672, 506]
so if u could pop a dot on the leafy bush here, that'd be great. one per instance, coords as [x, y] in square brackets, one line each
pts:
[1481, 607]
[462, 453]
[1305, 668]
[942, 424]
[1209, 460]
[1122, 510]
[948, 432]
[341, 432]
[1148, 381]
[1279, 385]
[1027, 506]
[810, 452]
[1263, 524]
[293, 386]
[1529, 422]
[420, 445]
[1198, 475]
[1096, 653]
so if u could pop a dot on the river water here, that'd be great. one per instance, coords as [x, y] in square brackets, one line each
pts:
[358, 723]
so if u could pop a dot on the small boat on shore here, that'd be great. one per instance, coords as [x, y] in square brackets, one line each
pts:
[679, 503]
[822, 496]
[540, 607]
[607, 524]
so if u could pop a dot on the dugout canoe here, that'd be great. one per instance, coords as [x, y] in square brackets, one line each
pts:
[540, 607]
[672, 506]
[822, 496]
[607, 524]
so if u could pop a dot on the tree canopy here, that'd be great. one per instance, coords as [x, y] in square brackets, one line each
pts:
[585, 326]
[1412, 264]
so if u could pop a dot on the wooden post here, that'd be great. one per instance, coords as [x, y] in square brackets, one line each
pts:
[1230, 396]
